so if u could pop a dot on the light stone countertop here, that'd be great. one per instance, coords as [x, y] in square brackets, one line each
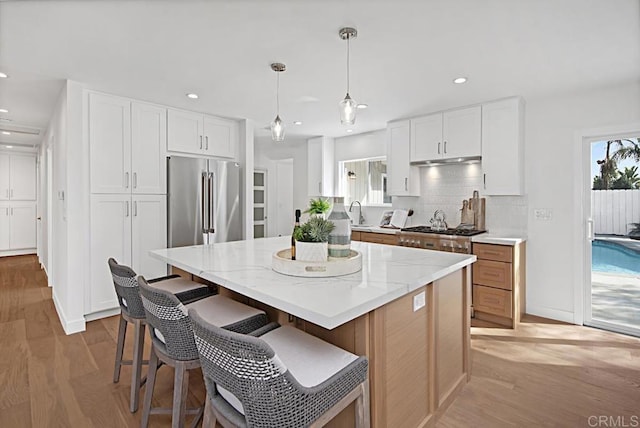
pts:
[498, 239]
[388, 272]
[375, 229]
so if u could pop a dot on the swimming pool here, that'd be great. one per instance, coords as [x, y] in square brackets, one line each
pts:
[607, 256]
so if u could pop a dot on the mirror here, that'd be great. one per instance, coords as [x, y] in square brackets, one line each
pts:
[364, 180]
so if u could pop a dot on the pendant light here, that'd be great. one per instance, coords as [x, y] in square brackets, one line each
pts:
[277, 126]
[348, 105]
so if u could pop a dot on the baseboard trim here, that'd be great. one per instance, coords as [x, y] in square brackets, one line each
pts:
[69, 327]
[102, 314]
[554, 314]
[8, 253]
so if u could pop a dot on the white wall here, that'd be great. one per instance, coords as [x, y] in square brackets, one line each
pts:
[266, 153]
[551, 126]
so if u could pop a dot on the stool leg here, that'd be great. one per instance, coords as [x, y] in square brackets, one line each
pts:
[209, 418]
[136, 365]
[363, 419]
[151, 381]
[180, 388]
[122, 332]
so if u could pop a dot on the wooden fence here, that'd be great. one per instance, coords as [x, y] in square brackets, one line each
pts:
[613, 210]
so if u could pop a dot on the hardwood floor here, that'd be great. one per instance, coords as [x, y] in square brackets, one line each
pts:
[543, 374]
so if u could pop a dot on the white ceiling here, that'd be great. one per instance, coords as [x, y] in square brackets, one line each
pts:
[403, 61]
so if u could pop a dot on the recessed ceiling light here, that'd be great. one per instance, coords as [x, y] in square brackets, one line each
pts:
[9, 147]
[349, 130]
[6, 133]
[3, 75]
[297, 122]
[459, 80]
[362, 106]
[4, 110]
[192, 96]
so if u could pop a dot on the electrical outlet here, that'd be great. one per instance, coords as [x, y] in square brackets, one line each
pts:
[542, 214]
[419, 300]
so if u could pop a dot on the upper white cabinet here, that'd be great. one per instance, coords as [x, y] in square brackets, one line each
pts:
[403, 179]
[450, 134]
[17, 177]
[17, 225]
[503, 147]
[127, 145]
[320, 166]
[200, 134]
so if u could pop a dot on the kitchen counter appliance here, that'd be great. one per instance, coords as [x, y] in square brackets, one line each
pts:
[450, 240]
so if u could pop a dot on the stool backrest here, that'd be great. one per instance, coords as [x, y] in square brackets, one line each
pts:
[167, 315]
[127, 290]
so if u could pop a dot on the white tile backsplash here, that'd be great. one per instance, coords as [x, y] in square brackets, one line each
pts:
[446, 186]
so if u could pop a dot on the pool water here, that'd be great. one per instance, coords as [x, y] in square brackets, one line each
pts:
[610, 257]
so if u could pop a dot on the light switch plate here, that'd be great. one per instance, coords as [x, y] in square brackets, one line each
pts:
[419, 300]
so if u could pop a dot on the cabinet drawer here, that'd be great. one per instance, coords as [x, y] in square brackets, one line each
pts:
[390, 240]
[493, 274]
[355, 236]
[492, 301]
[499, 253]
[376, 238]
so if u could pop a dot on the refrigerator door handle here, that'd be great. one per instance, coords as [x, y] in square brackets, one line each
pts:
[204, 202]
[212, 201]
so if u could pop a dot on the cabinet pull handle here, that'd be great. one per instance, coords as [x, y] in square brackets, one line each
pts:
[201, 142]
[206, 139]
[438, 147]
[135, 180]
[135, 208]
[445, 147]
[484, 181]
[406, 188]
[126, 180]
[126, 208]
[6, 211]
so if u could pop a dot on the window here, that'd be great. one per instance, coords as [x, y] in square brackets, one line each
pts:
[364, 180]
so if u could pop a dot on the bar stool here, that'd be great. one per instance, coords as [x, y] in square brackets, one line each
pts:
[131, 311]
[173, 342]
[284, 378]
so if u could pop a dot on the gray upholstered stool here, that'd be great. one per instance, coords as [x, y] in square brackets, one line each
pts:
[173, 342]
[131, 311]
[284, 378]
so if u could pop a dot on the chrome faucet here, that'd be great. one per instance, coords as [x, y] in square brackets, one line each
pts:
[360, 217]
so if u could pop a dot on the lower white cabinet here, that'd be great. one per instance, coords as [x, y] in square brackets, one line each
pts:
[124, 227]
[17, 225]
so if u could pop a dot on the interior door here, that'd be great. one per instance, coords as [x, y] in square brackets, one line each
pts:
[260, 206]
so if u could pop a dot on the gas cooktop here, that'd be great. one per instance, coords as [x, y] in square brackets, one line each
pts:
[458, 232]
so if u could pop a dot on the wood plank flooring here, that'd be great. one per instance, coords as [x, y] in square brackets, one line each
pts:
[543, 374]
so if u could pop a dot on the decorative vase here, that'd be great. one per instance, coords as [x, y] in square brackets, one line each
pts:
[340, 236]
[311, 251]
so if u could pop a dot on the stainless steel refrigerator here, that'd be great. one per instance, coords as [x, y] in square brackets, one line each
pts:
[204, 201]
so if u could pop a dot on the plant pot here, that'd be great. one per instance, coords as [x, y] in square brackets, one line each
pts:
[311, 251]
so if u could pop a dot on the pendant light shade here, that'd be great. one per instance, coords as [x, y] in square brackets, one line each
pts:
[348, 104]
[277, 126]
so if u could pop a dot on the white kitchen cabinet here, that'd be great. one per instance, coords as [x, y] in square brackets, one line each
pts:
[403, 179]
[17, 177]
[127, 146]
[320, 166]
[199, 134]
[17, 225]
[148, 149]
[503, 147]
[450, 134]
[124, 227]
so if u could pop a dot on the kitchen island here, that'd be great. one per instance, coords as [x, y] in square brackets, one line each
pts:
[407, 310]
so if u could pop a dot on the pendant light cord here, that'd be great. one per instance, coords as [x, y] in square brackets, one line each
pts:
[348, 44]
[278, 94]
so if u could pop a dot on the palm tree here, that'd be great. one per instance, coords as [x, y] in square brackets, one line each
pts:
[626, 148]
[628, 151]
[628, 179]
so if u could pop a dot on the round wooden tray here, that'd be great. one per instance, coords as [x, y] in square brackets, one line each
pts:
[334, 266]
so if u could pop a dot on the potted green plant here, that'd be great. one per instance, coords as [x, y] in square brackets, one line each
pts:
[318, 207]
[312, 240]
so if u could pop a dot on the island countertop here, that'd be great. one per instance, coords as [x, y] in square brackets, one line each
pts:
[388, 272]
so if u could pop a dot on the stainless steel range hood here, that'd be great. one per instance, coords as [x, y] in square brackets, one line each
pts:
[450, 161]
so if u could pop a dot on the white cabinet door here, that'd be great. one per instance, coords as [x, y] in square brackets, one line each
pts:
[5, 186]
[23, 225]
[220, 137]
[403, 179]
[461, 132]
[22, 178]
[110, 237]
[148, 232]
[426, 138]
[148, 148]
[184, 132]
[314, 167]
[109, 143]
[502, 147]
[5, 225]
